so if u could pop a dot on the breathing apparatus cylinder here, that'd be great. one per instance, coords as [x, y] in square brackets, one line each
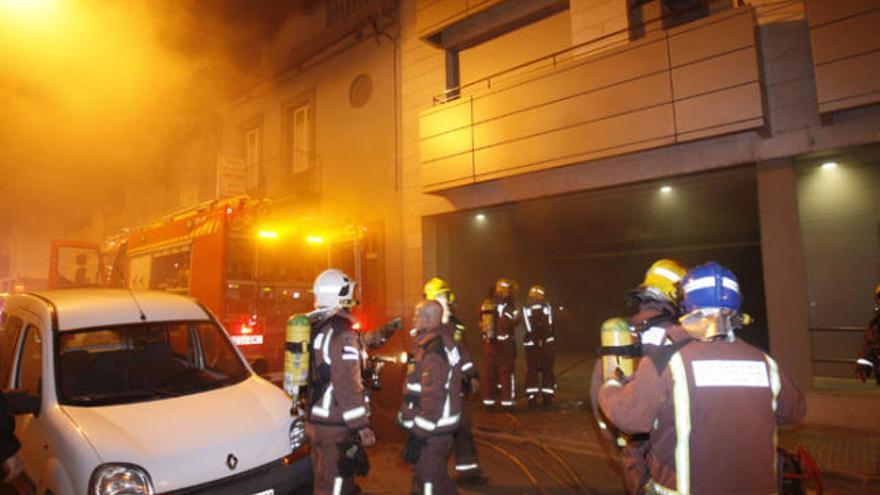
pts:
[619, 348]
[487, 319]
[296, 355]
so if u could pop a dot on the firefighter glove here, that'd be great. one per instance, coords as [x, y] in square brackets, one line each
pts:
[352, 459]
[413, 448]
[388, 329]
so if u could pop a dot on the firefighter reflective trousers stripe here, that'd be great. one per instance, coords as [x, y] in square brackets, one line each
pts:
[465, 448]
[498, 385]
[540, 378]
[325, 459]
[430, 476]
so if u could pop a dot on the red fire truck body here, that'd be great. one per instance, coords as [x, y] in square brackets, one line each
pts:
[212, 253]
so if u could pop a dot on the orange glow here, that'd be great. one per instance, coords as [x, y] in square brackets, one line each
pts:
[246, 329]
[268, 234]
[314, 239]
[356, 326]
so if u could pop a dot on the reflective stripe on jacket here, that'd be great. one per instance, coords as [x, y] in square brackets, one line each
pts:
[344, 399]
[711, 409]
[538, 319]
[432, 389]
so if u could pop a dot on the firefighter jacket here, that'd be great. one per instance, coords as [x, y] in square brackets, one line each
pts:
[711, 409]
[498, 319]
[336, 388]
[457, 329]
[538, 318]
[657, 325]
[432, 397]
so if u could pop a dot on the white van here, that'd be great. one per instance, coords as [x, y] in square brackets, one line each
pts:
[120, 392]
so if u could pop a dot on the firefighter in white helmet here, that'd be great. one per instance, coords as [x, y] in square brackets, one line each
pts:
[338, 409]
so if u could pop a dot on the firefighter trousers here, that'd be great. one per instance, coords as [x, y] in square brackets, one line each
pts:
[325, 459]
[465, 449]
[430, 476]
[498, 382]
[540, 378]
[634, 457]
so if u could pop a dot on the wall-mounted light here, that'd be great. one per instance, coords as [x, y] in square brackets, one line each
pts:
[480, 217]
[829, 165]
[666, 189]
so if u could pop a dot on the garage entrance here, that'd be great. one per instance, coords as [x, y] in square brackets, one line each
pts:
[588, 248]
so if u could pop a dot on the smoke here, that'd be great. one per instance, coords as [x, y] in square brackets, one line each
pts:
[94, 94]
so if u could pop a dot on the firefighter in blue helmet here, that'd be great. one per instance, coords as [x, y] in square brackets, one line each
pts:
[711, 405]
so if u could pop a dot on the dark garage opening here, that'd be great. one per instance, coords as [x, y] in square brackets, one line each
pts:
[588, 248]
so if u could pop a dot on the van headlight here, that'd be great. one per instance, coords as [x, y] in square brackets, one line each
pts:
[297, 434]
[120, 479]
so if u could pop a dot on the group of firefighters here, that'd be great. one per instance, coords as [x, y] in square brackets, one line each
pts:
[439, 376]
[691, 407]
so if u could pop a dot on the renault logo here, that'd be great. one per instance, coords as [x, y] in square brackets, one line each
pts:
[232, 461]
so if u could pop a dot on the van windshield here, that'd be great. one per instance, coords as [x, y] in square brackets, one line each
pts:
[135, 363]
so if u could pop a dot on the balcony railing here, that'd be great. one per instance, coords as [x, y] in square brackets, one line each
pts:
[835, 349]
[587, 102]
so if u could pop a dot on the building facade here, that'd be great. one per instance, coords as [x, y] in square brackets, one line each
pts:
[742, 131]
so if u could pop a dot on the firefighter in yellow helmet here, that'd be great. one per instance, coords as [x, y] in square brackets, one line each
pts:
[539, 343]
[499, 317]
[712, 404]
[653, 326]
[868, 362]
[467, 465]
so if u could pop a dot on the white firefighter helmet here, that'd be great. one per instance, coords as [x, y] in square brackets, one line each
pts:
[333, 288]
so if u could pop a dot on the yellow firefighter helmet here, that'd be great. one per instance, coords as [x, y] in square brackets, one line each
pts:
[437, 287]
[663, 278]
[537, 292]
[503, 287]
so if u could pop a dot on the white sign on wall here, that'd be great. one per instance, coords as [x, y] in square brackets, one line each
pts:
[231, 178]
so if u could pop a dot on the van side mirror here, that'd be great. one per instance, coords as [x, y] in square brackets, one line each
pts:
[20, 402]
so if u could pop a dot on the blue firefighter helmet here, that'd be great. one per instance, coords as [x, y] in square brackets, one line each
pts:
[710, 286]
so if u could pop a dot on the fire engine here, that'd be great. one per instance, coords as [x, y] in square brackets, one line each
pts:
[244, 262]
